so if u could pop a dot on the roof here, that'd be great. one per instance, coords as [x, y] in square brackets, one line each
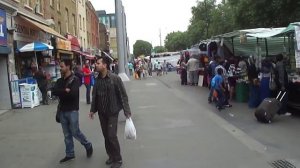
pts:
[258, 32]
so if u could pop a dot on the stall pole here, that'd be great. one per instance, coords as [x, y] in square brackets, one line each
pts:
[266, 43]
[37, 65]
[232, 46]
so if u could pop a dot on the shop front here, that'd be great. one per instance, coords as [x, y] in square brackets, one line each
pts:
[25, 33]
[63, 49]
[5, 100]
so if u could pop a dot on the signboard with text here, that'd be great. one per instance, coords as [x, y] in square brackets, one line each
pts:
[3, 30]
[63, 44]
[27, 33]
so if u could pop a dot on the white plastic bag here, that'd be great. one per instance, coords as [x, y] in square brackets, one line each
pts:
[130, 132]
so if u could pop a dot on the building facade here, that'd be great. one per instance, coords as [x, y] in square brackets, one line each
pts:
[92, 29]
[63, 15]
[81, 23]
[109, 20]
[104, 38]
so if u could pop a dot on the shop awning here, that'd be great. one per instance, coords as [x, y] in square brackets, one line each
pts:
[266, 33]
[258, 33]
[43, 27]
[75, 45]
[290, 28]
[88, 56]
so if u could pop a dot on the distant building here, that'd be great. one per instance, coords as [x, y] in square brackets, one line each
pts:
[109, 20]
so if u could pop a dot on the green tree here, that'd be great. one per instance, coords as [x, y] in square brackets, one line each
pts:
[176, 41]
[159, 49]
[264, 13]
[141, 47]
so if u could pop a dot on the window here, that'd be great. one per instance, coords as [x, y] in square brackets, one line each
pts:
[39, 6]
[113, 22]
[59, 27]
[28, 3]
[83, 42]
[88, 39]
[53, 25]
[51, 3]
[83, 22]
[74, 24]
[67, 20]
[80, 25]
[58, 5]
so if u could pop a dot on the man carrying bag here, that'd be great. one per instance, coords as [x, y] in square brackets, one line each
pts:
[67, 89]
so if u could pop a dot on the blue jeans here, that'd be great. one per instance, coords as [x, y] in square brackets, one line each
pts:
[88, 93]
[70, 125]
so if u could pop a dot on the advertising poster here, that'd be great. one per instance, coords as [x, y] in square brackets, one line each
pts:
[3, 30]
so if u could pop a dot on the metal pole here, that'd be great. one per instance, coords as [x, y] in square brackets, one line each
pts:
[37, 65]
[232, 46]
[125, 50]
[266, 43]
[120, 36]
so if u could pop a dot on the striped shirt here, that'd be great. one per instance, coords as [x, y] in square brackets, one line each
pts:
[103, 95]
[109, 95]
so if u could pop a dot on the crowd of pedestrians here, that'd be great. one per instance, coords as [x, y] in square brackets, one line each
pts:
[221, 76]
[143, 68]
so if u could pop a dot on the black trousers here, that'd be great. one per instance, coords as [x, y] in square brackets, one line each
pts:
[44, 95]
[183, 77]
[109, 126]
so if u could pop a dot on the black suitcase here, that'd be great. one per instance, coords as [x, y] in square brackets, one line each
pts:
[268, 108]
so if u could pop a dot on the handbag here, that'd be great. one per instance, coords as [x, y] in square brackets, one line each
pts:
[272, 83]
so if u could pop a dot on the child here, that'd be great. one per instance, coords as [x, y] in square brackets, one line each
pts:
[217, 85]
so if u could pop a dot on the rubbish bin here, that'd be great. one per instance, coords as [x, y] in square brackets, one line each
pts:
[242, 92]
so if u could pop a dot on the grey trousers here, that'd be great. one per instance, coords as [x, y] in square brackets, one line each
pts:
[194, 77]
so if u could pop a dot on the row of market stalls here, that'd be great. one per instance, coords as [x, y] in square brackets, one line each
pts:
[261, 43]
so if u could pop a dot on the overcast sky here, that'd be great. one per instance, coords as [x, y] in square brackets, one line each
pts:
[146, 17]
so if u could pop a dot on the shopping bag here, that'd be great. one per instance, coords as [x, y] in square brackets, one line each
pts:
[130, 131]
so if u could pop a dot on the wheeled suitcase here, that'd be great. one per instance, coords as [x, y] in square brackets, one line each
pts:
[268, 108]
